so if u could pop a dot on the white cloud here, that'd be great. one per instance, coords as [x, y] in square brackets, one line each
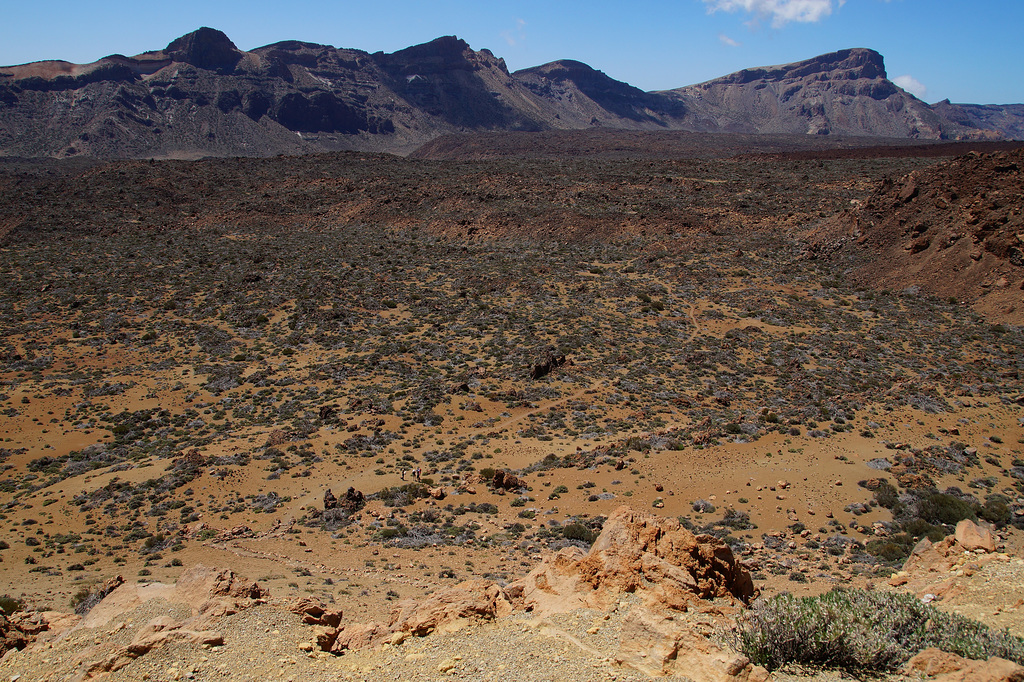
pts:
[726, 40]
[513, 36]
[780, 12]
[911, 85]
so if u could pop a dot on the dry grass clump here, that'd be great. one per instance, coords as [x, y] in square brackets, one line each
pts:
[862, 631]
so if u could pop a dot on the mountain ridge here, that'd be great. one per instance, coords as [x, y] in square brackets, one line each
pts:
[203, 96]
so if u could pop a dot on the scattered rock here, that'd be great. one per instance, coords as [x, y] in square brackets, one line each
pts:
[506, 480]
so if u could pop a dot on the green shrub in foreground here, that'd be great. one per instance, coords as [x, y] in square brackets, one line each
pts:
[857, 630]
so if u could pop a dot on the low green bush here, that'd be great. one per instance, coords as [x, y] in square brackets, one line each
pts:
[861, 631]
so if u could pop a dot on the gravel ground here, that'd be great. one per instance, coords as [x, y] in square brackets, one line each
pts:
[267, 643]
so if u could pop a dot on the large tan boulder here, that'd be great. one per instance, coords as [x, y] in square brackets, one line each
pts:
[35, 623]
[357, 636]
[210, 593]
[637, 552]
[942, 666]
[971, 536]
[447, 610]
[214, 592]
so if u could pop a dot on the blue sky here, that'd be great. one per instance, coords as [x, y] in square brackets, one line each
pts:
[967, 51]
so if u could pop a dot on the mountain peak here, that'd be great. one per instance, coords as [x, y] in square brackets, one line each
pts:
[850, 64]
[206, 48]
[445, 47]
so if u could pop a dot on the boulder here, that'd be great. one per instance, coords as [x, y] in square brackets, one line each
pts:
[157, 633]
[211, 592]
[551, 363]
[941, 666]
[352, 502]
[971, 536]
[11, 636]
[35, 623]
[314, 612]
[358, 636]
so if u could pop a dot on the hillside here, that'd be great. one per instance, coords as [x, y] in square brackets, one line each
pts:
[202, 96]
[953, 230]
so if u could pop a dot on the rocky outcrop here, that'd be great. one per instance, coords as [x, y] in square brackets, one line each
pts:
[35, 623]
[635, 553]
[450, 609]
[640, 553]
[11, 636]
[444, 611]
[506, 480]
[314, 612]
[549, 364]
[674, 572]
[210, 594]
[659, 644]
[157, 633]
[953, 229]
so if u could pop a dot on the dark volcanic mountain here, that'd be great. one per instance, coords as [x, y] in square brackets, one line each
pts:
[202, 96]
[845, 92]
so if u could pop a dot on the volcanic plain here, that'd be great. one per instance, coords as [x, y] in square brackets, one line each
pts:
[192, 353]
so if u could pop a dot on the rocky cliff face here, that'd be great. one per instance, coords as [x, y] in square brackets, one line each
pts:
[989, 120]
[203, 96]
[842, 93]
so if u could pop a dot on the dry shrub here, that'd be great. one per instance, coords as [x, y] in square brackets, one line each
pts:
[861, 631]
